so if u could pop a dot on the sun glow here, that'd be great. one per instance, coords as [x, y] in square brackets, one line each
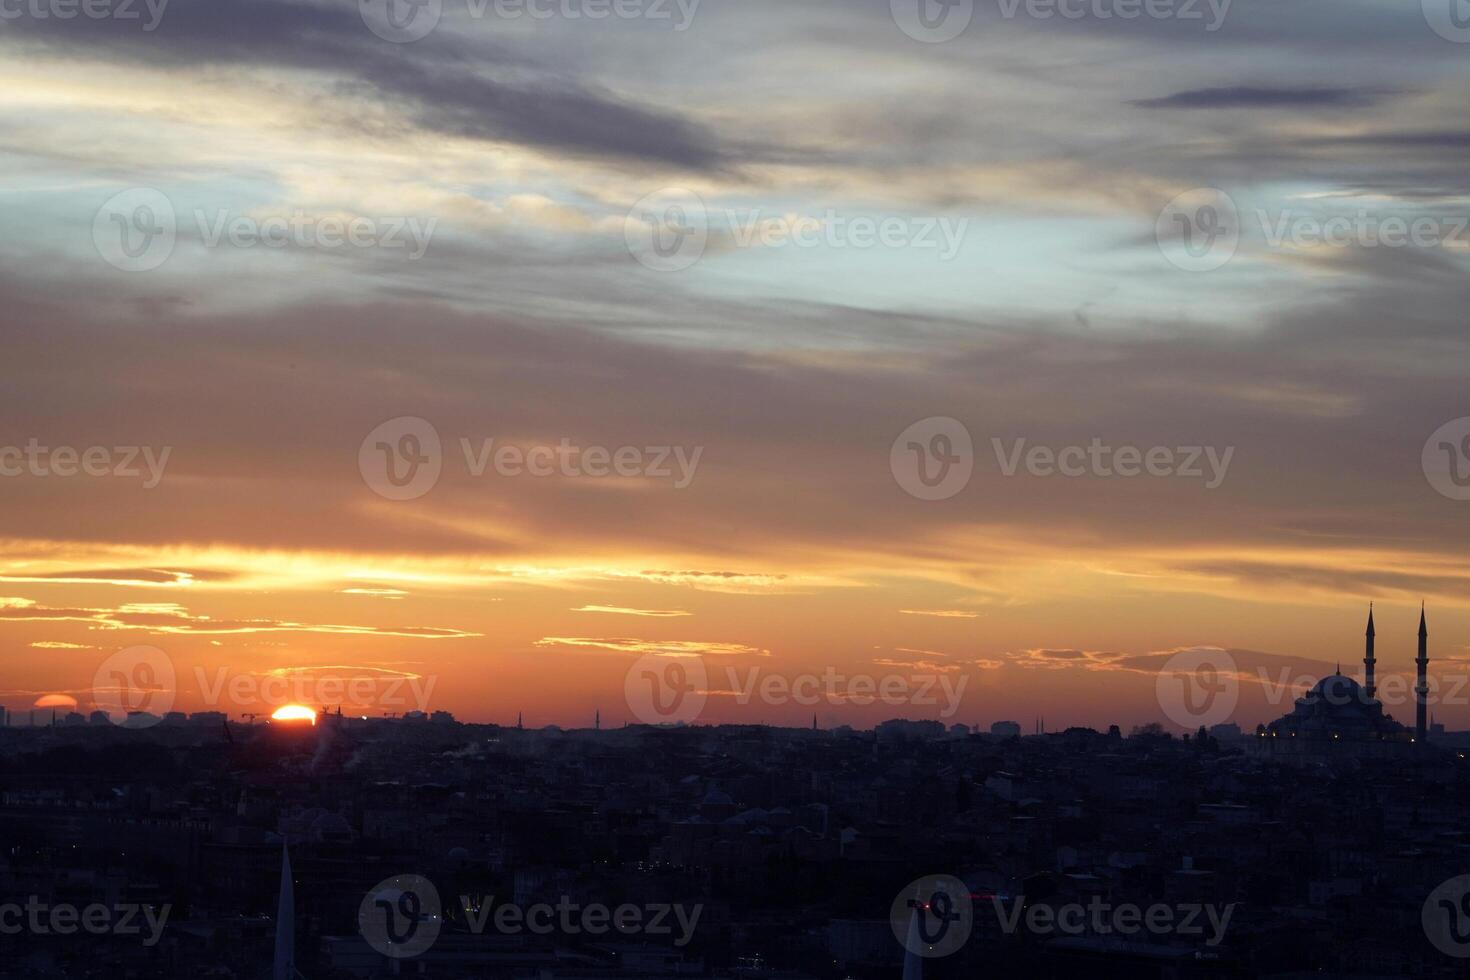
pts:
[294, 712]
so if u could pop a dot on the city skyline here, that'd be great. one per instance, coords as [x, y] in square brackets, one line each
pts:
[759, 693]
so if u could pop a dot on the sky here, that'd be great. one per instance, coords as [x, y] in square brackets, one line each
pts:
[500, 357]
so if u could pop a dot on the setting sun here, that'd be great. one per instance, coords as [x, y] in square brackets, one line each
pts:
[294, 712]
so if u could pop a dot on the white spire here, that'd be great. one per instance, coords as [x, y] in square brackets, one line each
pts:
[913, 963]
[285, 968]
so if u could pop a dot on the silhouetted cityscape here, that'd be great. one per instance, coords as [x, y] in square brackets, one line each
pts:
[423, 847]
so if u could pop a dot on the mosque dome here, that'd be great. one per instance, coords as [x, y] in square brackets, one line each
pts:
[1337, 707]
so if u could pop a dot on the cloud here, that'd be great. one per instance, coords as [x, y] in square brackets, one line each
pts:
[625, 611]
[928, 666]
[1064, 659]
[942, 613]
[672, 648]
[134, 577]
[171, 618]
[1264, 97]
[446, 83]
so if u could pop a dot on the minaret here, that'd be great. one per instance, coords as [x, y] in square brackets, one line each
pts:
[1370, 687]
[285, 963]
[597, 724]
[913, 963]
[520, 721]
[1421, 689]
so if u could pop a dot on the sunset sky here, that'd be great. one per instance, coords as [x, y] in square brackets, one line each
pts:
[789, 354]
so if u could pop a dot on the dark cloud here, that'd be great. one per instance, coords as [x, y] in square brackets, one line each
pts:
[1252, 97]
[441, 83]
[1327, 409]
